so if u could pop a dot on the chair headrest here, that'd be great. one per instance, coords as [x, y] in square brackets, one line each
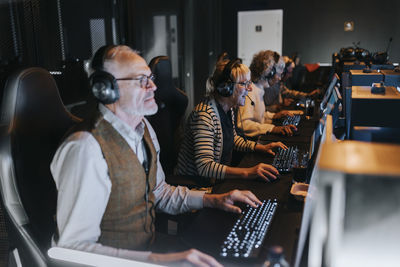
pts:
[162, 69]
[36, 120]
[32, 100]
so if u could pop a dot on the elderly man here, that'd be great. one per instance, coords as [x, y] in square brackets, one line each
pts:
[108, 173]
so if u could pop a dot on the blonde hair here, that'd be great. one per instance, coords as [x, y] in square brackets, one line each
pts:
[238, 72]
[286, 59]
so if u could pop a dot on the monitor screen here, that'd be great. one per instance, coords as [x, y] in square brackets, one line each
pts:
[333, 106]
[318, 139]
[332, 103]
[329, 91]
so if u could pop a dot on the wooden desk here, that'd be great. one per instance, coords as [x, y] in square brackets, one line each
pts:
[379, 110]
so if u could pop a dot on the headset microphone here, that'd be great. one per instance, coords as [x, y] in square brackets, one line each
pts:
[251, 100]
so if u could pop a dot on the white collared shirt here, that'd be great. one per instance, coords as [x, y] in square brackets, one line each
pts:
[84, 186]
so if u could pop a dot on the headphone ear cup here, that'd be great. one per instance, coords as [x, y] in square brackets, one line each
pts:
[225, 85]
[225, 89]
[104, 87]
[272, 73]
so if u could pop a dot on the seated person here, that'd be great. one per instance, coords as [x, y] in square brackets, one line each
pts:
[253, 118]
[108, 174]
[272, 97]
[287, 94]
[210, 134]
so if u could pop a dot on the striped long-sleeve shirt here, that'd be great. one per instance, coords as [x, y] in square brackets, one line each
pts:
[201, 150]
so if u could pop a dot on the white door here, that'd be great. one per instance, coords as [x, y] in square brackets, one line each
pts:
[259, 30]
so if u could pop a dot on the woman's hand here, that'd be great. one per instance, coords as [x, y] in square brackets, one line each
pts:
[268, 147]
[283, 113]
[265, 171]
[284, 130]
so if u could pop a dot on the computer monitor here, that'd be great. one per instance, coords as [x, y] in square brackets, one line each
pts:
[355, 221]
[332, 109]
[322, 134]
[328, 92]
[335, 105]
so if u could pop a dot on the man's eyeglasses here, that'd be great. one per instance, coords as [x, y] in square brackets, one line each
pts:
[245, 84]
[143, 80]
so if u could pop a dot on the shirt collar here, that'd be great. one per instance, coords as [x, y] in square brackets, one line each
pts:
[122, 127]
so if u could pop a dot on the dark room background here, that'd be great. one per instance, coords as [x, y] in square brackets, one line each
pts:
[58, 34]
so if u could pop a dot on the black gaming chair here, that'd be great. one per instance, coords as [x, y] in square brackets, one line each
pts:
[172, 104]
[33, 123]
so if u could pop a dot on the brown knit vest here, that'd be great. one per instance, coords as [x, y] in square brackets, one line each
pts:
[126, 223]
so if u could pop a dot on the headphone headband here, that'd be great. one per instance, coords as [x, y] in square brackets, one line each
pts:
[100, 56]
[224, 84]
[287, 65]
[276, 57]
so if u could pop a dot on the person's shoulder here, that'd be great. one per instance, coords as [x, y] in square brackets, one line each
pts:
[77, 146]
[79, 137]
[204, 105]
[80, 140]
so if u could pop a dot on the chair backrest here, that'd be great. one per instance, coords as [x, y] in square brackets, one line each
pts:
[33, 123]
[172, 104]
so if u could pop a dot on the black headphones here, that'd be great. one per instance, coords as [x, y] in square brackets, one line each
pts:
[287, 65]
[103, 84]
[271, 74]
[224, 84]
[273, 70]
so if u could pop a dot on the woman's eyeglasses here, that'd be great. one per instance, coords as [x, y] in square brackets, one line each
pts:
[245, 84]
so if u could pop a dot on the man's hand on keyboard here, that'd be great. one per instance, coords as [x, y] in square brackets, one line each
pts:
[284, 130]
[226, 201]
[282, 114]
[268, 148]
[191, 256]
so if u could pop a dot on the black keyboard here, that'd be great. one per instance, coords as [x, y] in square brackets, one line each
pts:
[248, 233]
[286, 159]
[295, 120]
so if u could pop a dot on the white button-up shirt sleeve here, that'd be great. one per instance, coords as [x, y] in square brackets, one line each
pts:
[81, 176]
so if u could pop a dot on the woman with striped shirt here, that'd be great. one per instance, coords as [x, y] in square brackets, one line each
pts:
[210, 134]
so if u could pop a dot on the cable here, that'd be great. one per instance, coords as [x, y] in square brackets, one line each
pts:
[251, 100]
